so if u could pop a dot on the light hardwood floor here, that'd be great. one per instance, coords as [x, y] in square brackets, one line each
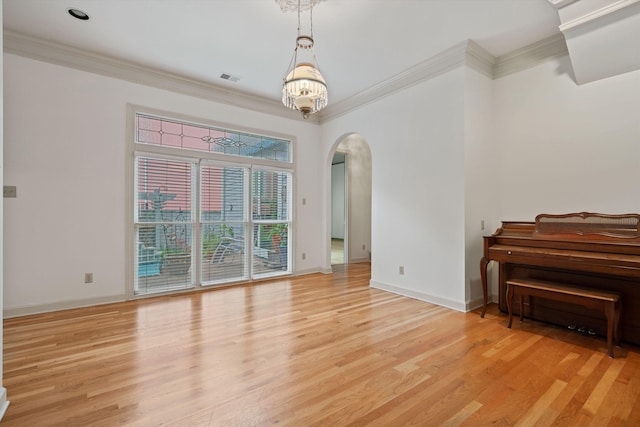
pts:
[317, 350]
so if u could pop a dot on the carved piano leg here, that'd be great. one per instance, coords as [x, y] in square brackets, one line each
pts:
[483, 276]
[509, 296]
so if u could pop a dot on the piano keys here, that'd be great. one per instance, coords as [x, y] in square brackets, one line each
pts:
[583, 249]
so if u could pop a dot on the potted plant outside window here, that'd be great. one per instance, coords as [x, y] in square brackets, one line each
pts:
[279, 236]
[177, 253]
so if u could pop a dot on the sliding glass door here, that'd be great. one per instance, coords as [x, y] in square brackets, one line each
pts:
[211, 206]
[179, 247]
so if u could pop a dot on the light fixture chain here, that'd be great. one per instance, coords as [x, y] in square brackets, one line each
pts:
[298, 19]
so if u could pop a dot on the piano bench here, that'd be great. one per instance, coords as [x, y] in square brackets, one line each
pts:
[607, 301]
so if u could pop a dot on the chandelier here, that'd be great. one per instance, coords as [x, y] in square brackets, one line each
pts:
[304, 88]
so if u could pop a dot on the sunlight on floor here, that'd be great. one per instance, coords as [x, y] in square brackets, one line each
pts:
[337, 251]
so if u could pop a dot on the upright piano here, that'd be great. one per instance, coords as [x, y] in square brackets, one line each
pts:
[583, 249]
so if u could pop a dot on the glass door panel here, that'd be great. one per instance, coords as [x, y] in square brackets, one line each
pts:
[163, 225]
[271, 214]
[223, 221]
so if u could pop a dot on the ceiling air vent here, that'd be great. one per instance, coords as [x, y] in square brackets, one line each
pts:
[230, 77]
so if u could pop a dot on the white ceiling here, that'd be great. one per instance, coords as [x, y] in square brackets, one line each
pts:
[359, 43]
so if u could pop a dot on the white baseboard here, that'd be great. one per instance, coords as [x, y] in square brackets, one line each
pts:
[66, 305]
[475, 303]
[308, 271]
[63, 305]
[4, 403]
[478, 302]
[419, 295]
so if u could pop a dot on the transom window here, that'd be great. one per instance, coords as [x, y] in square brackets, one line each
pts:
[210, 206]
[189, 136]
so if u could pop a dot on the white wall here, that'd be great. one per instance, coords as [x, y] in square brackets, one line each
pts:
[508, 149]
[481, 195]
[562, 147]
[65, 152]
[417, 151]
[446, 153]
[567, 148]
[3, 391]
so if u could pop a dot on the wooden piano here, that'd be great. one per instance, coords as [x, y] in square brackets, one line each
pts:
[584, 249]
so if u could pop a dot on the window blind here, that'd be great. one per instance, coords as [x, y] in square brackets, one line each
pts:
[224, 223]
[164, 224]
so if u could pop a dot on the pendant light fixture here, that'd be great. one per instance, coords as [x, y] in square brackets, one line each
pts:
[304, 88]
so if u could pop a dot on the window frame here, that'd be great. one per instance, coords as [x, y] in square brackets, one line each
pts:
[134, 150]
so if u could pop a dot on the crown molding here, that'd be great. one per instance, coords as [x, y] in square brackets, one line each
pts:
[530, 56]
[479, 59]
[439, 64]
[67, 56]
[467, 53]
[559, 4]
[596, 14]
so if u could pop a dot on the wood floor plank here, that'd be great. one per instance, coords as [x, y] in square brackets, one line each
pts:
[460, 416]
[597, 396]
[314, 350]
[535, 412]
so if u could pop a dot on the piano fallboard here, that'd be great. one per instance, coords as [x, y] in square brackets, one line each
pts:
[597, 262]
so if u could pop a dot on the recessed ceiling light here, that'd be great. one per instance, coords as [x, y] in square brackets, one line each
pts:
[77, 13]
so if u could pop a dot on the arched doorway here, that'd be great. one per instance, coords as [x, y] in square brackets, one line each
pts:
[350, 221]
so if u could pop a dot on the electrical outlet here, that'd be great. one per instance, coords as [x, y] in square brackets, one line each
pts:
[304, 256]
[88, 277]
[401, 270]
[10, 191]
[482, 224]
[363, 247]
